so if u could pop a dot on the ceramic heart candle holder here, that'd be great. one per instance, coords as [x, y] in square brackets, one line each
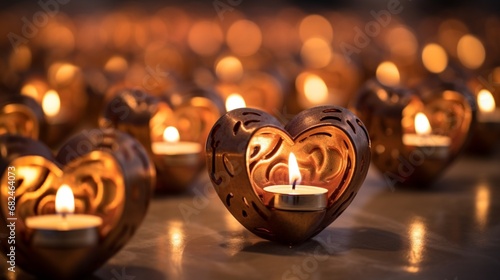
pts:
[60, 91]
[405, 154]
[195, 111]
[21, 115]
[177, 156]
[112, 179]
[247, 151]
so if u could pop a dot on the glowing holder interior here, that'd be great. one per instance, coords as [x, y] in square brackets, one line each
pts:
[21, 115]
[112, 182]
[191, 113]
[247, 157]
[402, 155]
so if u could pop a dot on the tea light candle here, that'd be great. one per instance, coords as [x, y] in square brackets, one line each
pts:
[424, 139]
[488, 113]
[177, 152]
[295, 197]
[64, 229]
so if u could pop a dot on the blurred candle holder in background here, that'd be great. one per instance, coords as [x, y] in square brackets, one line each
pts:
[487, 131]
[259, 88]
[192, 114]
[62, 97]
[21, 115]
[404, 154]
[334, 84]
[436, 146]
[177, 162]
[112, 182]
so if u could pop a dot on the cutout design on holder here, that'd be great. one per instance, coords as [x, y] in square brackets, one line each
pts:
[145, 117]
[111, 177]
[390, 114]
[247, 150]
[21, 115]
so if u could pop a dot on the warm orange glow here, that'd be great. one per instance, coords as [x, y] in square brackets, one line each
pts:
[449, 33]
[293, 170]
[401, 41]
[244, 37]
[171, 135]
[315, 26]
[116, 64]
[388, 73]
[485, 101]
[434, 58]
[235, 101]
[65, 73]
[229, 69]
[315, 89]
[316, 53]
[205, 38]
[495, 75]
[417, 234]
[422, 125]
[177, 236]
[30, 90]
[482, 205]
[471, 51]
[20, 58]
[65, 201]
[51, 103]
[177, 239]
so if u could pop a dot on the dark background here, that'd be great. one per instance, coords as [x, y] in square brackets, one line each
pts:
[421, 6]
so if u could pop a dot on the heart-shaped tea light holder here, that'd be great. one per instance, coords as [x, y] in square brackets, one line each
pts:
[111, 178]
[21, 115]
[487, 93]
[416, 134]
[172, 131]
[248, 154]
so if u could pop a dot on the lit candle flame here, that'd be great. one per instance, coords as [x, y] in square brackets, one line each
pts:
[315, 89]
[388, 73]
[235, 101]
[171, 134]
[434, 58]
[485, 101]
[293, 170]
[65, 201]
[51, 103]
[422, 125]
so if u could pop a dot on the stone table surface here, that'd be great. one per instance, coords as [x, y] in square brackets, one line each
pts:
[448, 231]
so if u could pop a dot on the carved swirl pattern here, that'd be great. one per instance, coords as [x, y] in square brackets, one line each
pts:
[248, 150]
[110, 174]
[325, 156]
[18, 119]
[389, 114]
[95, 180]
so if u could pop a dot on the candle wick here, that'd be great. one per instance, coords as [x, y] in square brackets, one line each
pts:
[294, 183]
